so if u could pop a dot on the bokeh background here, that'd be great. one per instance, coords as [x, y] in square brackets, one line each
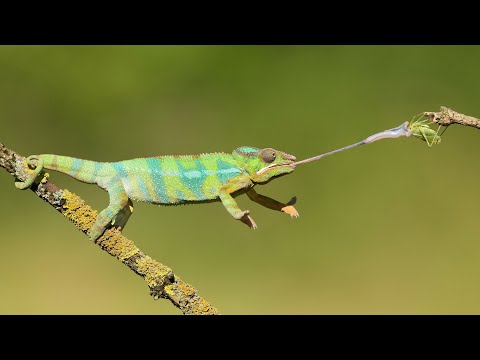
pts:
[386, 228]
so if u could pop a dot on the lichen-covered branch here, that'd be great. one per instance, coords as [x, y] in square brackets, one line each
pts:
[161, 280]
[448, 117]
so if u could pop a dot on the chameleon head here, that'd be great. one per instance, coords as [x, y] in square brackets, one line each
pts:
[264, 164]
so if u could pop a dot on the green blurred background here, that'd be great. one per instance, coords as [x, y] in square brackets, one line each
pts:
[385, 228]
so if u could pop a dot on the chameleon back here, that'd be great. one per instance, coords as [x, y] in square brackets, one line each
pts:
[171, 180]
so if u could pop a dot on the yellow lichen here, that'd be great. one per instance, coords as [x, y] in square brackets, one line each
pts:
[117, 245]
[205, 306]
[185, 296]
[27, 167]
[45, 178]
[152, 270]
[169, 290]
[75, 209]
[187, 289]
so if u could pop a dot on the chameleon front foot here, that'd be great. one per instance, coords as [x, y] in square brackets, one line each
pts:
[247, 220]
[290, 210]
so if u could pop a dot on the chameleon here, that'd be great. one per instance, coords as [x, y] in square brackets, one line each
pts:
[183, 179]
[174, 180]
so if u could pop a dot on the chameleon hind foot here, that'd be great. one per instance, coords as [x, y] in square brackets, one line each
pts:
[123, 215]
[95, 232]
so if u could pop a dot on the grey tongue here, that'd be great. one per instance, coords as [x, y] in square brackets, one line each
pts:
[396, 132]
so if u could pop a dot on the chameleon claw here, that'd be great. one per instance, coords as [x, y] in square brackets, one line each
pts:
[253, 224]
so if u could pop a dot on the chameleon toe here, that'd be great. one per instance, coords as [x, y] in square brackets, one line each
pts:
[253, 225]
[290, 210]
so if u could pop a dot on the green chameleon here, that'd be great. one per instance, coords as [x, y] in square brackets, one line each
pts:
[173, 180]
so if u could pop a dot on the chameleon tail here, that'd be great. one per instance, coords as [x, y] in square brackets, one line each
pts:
[82, 170]
[22, 185]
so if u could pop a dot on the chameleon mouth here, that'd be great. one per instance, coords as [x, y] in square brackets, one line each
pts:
[271, 166]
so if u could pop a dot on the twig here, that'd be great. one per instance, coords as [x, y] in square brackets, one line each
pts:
[161, 280]
[448, 116]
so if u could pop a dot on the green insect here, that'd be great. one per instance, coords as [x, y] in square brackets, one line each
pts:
[420, 128]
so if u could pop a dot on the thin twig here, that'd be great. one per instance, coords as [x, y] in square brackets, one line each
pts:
[448, 117]
[161, 280]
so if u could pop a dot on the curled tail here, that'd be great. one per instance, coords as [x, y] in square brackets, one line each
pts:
[82, 170]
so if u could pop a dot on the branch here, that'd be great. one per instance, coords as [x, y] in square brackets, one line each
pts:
[161, 280]
[448, 116]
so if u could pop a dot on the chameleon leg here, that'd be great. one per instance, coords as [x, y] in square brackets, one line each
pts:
[22, 185]
[231, 205]
[122, 217]
[274, 204]
[118, 200]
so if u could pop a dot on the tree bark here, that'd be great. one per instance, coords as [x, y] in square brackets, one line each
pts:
[448, 117]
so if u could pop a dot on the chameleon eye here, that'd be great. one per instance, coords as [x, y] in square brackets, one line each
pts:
[268, 156]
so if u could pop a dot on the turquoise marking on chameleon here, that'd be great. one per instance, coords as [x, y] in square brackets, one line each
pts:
[98, 166]
[156, 174]
[108, 212]
[112, 183]
[143, 189]
[225, 171]
[247, 150]
[120, 169]
[180, 196]
[193, 174]
[193, 178]
[77, 163]
[116, 190]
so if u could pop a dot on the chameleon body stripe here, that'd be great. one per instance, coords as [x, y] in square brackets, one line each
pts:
[155, 180]
[225, 171]
[96, 170]
[143, 190]
[120, 169]
[77, 164]
[192, 176]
